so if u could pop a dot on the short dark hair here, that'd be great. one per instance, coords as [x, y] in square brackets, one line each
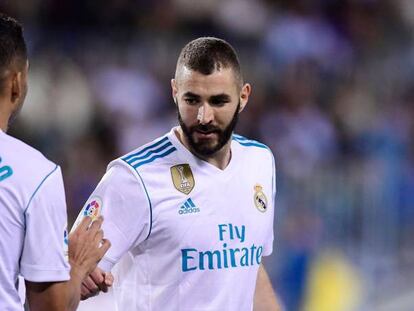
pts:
[12, 44]
[207, 54]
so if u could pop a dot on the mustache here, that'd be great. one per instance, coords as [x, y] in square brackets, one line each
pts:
[206, 129]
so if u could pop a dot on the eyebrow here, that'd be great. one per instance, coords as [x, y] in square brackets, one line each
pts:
[190, 94]
[218, 97]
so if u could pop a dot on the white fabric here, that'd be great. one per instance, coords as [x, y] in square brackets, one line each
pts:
[32, 220]
[118, 194]
[204, 259]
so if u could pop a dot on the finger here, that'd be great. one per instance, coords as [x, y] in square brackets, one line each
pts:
[91, 285]
[106, 244]
[99, 236]
[84, 224]
[85, 292]
[97, 276]
[96, 224]
[109, 279]
[103, 287]
[89, 295]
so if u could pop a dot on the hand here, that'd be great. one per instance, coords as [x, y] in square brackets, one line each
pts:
[86, 247]
[98, 280]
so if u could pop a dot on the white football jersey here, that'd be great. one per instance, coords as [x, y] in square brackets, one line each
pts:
[33, 236]
[195, 235]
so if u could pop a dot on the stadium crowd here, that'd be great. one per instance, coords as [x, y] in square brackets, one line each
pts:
[333, 96]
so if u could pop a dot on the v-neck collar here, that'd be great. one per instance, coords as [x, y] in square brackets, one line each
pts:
[204, 165]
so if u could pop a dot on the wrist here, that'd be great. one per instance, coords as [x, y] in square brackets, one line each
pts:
[77, 272]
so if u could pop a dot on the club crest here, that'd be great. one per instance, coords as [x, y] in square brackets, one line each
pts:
[182, 178]
[260, 199]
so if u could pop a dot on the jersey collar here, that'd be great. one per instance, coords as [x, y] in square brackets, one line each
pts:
[194, 160]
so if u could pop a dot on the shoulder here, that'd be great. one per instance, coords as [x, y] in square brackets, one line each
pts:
[29, 172]
[252, 147]
[26, 162]
[257, 155]
[149, 155]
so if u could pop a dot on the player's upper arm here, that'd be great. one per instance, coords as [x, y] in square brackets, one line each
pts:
[46, 296]
[121, 200]
[273, 166]
[268, 247]
[43, 256]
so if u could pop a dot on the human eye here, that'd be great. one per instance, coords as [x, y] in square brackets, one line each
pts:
[219, 102]
[191, 101]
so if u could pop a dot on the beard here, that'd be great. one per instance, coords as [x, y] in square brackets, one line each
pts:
[206, 148]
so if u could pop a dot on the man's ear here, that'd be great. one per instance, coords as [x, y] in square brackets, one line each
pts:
[19, 84]
[244, 95]
[16, 87]
[174, 90]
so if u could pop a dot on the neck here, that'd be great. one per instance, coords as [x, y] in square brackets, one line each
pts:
[220, 159]
[4, 119]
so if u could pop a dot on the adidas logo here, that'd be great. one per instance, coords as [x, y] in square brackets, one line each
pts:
[188, 207]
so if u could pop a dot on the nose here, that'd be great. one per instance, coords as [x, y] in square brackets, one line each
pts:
[205, 114]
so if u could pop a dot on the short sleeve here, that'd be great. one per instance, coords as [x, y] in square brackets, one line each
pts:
[268, 247]
[44, 254]
[121, 199]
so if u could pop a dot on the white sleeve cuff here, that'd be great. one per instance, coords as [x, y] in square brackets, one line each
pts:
[44, 274]
[106, 264]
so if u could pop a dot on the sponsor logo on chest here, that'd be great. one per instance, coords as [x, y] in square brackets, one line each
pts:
[232, 250]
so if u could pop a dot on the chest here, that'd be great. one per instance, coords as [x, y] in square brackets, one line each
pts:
[204, 211]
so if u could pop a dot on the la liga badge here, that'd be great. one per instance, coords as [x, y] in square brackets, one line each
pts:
[93, 208]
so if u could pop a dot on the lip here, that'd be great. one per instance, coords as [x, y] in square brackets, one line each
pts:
[202, 135]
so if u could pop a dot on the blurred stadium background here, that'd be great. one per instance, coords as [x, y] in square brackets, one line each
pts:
[333, 96]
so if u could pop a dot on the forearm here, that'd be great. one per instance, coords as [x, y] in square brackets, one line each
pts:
[74, 288]
[55, 296]
[264, 297]
[49, 296]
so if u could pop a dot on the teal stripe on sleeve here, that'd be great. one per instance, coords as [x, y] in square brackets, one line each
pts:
[38, 187]
[138, 158]
[239, 137]
[253, 144]
[149, 203]
[248, 143]
[145, 149]
[148, 198]
[157, 156]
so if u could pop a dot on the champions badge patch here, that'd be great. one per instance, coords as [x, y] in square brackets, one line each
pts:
[182, 178]
[260, 199]
[93, 208]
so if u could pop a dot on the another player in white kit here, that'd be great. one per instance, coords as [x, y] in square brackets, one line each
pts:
[194, 208]
[33, 236]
